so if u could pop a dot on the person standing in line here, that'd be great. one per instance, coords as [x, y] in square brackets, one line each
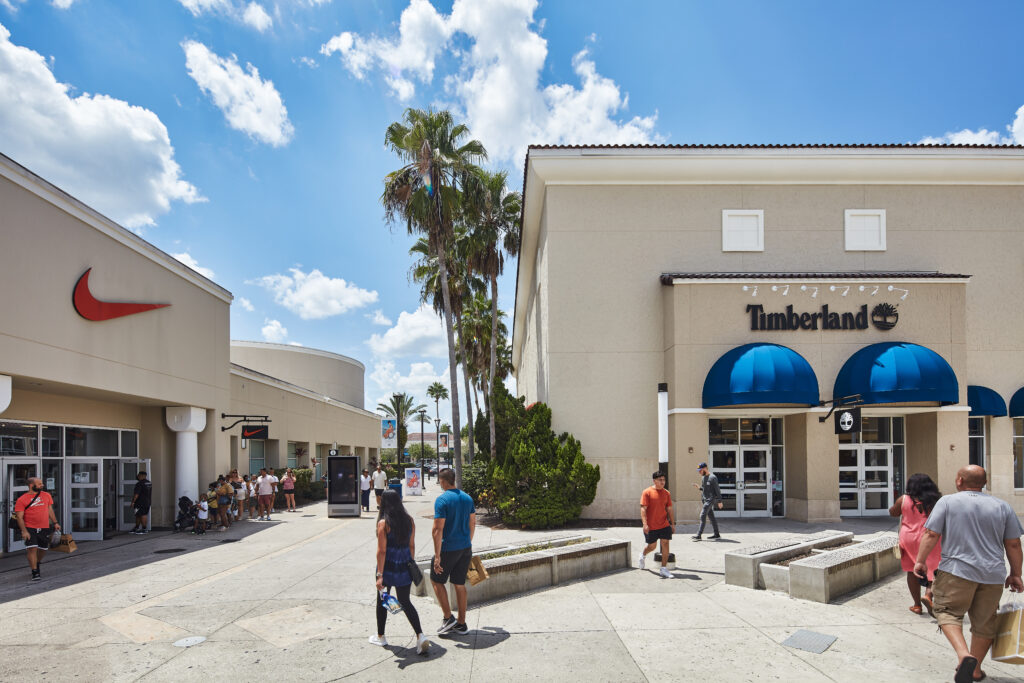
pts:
[454, 526]
[710, 495]
[202, 514]
[225, 495]
[364, 488]
[241, 495]
[976, 530]
[250, 496]
[658, 520]
[142, 498]
[277, 484]
[396, 547]
[913, 508]
[288, 486]
[266, 486]
[380, 482]
[36, 520]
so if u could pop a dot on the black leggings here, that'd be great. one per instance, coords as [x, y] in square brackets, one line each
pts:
[402, 593]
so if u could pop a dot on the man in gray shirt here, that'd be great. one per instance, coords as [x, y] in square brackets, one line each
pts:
[976, 530]
[710, 495]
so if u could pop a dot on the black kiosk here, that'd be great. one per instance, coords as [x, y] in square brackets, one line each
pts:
[343, 486]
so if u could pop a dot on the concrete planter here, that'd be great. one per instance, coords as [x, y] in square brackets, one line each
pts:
[742, 567]
[774, 577]
[824, 577]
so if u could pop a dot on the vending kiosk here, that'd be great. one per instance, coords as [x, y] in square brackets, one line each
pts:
[343, 486]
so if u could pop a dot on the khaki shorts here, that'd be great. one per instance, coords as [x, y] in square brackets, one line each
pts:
[954, 597]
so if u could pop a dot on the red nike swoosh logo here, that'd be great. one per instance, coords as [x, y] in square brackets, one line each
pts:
[246, 434]
[91, 308]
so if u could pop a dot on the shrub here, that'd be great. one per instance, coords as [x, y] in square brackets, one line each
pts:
[509, 414]
[476, 479]
[542, 480]
[307, 487]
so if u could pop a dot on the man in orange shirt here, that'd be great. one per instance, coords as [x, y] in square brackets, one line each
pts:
[658, 519]
[34, 510]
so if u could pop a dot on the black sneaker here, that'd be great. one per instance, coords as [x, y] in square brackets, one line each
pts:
[696, 538]
[460, 629]
[447, 625]
[35, 575]
[715, 537]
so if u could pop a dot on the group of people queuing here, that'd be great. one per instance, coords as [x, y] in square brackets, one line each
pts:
[234, 497]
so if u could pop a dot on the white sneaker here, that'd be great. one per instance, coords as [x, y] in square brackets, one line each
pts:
[641, 561]
[422, 644]
[665, 573]
[378, 640]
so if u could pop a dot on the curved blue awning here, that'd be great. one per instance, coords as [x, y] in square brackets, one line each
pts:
[897, 372]
[985, 401]
[755, 374]
[1017, 404]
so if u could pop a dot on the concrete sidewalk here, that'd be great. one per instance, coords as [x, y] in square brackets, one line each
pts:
[293, 599]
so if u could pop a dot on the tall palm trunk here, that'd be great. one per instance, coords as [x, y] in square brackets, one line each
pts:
[494, 359]
[453, 369]
[465, 375]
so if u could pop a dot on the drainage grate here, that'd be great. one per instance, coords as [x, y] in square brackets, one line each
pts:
[190, 641]
[810, 641]
[164, 551]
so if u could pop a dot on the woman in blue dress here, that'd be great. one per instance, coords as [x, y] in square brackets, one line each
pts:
[396, 545]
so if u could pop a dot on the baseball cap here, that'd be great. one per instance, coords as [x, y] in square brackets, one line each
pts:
[701, 466]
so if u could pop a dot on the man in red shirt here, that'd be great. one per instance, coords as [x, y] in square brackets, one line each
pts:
[659, 521]
[35, 517]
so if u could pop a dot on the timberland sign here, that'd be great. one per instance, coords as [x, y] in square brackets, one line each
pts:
[883, 317]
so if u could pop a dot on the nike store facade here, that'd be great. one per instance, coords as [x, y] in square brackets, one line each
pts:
[686, 304]
[115, 358]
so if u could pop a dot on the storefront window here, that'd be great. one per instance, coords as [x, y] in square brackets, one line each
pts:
[976, 440]
[129, 444]
[754, 430]
[257, 456]
[18, 440]
[51, 442]
[723, 432]
[1018, 452]
[747, 456]
[293, 459]
[87, 442]
[53, 479]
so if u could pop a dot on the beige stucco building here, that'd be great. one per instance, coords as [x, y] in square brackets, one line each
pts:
[754, 282]
[92, 389]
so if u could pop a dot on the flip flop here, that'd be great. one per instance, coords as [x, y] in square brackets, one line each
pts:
[965, 672]
[916, 609]
[983, 675]
[931, 608]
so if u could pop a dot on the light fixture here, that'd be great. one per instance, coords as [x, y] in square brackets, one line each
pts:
[747, 288]
[804, 288]
[784, 288]
[900, 289]
[845, 288]
[873, 291]
[690, 449]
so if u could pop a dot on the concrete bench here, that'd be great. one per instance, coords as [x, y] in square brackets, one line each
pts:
[826, 576]
[742, 567]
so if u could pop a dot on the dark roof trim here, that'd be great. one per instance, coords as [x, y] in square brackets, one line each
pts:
[667, 278]
[909, 145]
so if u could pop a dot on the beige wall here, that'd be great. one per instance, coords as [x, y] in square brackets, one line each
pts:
[322, 372]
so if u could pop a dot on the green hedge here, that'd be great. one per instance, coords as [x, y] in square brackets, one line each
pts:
[307, 488]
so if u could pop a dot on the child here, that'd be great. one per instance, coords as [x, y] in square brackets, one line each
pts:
[202, 513]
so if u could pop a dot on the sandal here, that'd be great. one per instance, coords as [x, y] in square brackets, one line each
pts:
[916, 609]
[931, 611]
[983, 675]
[965, 672]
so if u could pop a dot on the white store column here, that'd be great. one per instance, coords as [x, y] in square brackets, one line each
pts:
[5, 392]
[186, 422]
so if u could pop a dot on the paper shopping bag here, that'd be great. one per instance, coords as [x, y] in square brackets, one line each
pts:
[1009, 643]
[477, 572]
[67, 544]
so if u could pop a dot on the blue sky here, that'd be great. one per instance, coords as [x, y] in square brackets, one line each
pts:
[246, 136]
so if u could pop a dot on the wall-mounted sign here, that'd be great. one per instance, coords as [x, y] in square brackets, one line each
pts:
[255, 432]
[91, 308]
[847, 420]
[883, 317]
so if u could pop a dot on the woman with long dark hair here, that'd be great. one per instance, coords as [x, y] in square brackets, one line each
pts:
[396, 546]
[913, 508]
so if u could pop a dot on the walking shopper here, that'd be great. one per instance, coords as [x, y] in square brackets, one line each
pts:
[266, 487]
[34, 510]
[658, 520]
[976, 529]
[380, 482]
[396, 547]
[913, 508]
[364, 489]
[288, 486]
[141, 500]
[710, 495]
[454, 526]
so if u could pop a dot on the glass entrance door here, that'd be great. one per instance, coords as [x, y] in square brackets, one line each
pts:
[127, 477]
[85, 479]
[16, 474]
[865, 480]
[744, 478]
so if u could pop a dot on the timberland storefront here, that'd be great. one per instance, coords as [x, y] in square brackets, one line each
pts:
[116, 358]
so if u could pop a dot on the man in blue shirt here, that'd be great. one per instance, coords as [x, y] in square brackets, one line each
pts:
[454, 524]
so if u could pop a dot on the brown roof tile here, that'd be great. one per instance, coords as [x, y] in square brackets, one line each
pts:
[667, 278]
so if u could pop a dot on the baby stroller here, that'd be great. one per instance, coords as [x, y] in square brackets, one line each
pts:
[186, 518]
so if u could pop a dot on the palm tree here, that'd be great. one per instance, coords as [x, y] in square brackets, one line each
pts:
[427, 194]
[437, 391]
[496, 229]
[400, 407]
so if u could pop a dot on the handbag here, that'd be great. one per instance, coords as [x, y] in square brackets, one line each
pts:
[415, 572]
[12, 523]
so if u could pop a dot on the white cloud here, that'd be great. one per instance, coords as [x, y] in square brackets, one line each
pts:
[187, 259]
[250, 104]
[313, 295]
[245, 304]
[257, 17]
[307, 61]
[110, 154]
[378, 318]
[420, 333]
[1014, 135]
[498, 81]
[386, 379]
[62, 4]
[274, 331]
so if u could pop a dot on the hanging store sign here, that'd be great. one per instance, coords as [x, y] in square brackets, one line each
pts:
[847, 420]
[389, 432]
[883, 317]
[255, 432]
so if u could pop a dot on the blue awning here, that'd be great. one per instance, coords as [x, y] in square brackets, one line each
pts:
[897, 372]
[984, 401]
[755, 374]
[1017, 404]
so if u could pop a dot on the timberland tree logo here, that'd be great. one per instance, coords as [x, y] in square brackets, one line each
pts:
[883, 317]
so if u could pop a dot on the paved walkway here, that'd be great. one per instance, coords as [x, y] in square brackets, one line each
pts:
[292, 600]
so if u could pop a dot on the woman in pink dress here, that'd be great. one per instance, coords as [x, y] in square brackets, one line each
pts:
[913, 508]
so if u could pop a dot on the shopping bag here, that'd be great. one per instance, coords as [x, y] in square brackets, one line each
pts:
[476, 572]
[67, 544]
[1008, 646]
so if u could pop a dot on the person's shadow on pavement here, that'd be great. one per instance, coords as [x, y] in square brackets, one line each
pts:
[481, 638]
[406, 656]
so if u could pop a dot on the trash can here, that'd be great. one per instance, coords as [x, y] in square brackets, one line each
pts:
[395, 485]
